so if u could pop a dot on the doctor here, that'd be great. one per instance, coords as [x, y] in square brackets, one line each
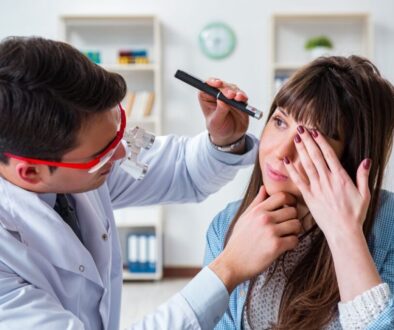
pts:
[61, 131]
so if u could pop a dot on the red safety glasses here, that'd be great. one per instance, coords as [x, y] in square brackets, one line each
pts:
[92, 165]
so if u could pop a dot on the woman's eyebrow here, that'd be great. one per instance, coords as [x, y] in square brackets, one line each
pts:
[283, 111]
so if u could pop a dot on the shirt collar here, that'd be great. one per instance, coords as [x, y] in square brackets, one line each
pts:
[49, 198]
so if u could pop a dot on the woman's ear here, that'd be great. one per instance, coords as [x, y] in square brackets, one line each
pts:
[29, 173]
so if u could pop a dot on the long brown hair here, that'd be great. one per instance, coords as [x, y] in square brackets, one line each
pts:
[339, 96]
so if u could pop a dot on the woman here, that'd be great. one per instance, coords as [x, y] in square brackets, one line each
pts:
[316, 186]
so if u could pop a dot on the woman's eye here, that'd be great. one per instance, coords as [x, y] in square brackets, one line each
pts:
[279, 122]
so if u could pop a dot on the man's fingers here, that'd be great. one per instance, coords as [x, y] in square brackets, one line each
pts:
[215, 82]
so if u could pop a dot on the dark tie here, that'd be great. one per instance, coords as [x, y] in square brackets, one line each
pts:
[64, 208]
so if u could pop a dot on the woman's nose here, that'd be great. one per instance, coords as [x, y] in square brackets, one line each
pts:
[286, 148]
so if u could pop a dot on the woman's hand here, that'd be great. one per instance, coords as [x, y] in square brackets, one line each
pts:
[339, 207]
[225, 124]
[267, 228]
[335, 202]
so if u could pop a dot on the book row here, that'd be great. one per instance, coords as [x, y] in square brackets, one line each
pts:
[141, 252]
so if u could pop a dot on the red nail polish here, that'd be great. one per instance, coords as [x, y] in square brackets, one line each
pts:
[297, 139]
[314, 133]
[300, 129]
[286, 160]
[367, 163]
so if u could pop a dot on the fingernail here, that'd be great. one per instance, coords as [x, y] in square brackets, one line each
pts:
[300, 129]
[314, 133]
[297, 139]
[367, 163]
[286, 160]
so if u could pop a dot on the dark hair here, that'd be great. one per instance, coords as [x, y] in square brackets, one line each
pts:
[344, 97]
[48, 89]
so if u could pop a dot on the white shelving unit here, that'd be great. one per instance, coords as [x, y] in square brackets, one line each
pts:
[108, 35]
[351, 34]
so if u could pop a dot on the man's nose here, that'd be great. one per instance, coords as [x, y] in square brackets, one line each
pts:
[119, 153]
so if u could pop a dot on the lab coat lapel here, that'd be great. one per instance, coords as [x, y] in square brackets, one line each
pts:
[95, 230]
[45, 232]
[95, 225]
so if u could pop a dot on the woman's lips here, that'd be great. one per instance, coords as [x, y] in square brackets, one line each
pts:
[275, 175]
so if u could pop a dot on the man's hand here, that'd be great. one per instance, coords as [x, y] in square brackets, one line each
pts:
[267, 229]
[224, 123]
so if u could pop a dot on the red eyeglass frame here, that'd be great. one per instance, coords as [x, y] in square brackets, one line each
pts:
[81, 166]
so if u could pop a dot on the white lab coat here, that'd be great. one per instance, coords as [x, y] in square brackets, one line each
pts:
[49, 280]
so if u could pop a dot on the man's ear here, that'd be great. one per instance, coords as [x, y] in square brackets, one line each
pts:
[29, 173]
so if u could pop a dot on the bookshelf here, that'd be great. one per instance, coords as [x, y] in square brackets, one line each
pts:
[351, 34]
[131, 47]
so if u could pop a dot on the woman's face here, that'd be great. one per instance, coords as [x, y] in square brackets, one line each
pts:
[277, 142]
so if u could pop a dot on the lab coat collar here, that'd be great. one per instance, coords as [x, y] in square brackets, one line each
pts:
[41, 229]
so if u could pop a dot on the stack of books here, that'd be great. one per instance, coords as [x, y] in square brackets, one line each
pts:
[141, 252]
[139, 104]
[133, 57]
[94, 56]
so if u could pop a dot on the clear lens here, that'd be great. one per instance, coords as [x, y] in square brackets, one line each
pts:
[135, 139]
[104, 160]
[139, 137]
[135, 169]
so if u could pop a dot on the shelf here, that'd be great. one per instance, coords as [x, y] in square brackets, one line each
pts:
[350, 33]
[321, 16]
[148, 216]
[141, 121]
[148, 119]
[122, 20]
[287, 66]
[129, 67]
[127, 276]
[107, 36]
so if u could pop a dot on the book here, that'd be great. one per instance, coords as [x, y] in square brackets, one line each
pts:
[152, 258]
[130, 98]
[140, 104]
[141, 252]
[149, 104]
[132, 253]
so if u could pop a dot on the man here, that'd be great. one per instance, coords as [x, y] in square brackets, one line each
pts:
[60, 148]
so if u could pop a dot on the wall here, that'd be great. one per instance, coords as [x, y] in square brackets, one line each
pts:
[248, 67]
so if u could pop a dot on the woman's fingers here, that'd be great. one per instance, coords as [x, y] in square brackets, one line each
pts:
[287, 243]
[328, 152]
[283, 214]
[277, 201]
[304, 154]
[314, 158]
[289, 227]
[260, 197]
[295, 176]
[362, 179]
